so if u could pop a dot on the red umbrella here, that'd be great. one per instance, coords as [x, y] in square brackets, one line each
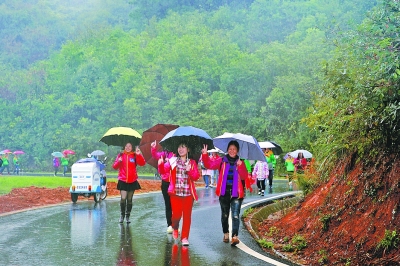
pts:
[19, 152]
[156, 132]
[66, 152]
[5, 151]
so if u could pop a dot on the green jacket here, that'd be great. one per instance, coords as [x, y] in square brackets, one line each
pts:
[271, 161]
[64, 161]
[5, 161]
[15, 161]
[248, 165]
[289, 166]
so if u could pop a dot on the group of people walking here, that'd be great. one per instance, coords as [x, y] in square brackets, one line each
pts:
[178, 173]
[57, 162]
[5, 164]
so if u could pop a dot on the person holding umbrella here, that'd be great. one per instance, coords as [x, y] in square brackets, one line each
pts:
[229, 187]
[270, 156]
[64, 163]
[183, 172]
[126, 163]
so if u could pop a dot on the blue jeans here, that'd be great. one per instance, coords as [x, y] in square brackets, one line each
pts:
[227, 204]
[65, 168]
[206, 179]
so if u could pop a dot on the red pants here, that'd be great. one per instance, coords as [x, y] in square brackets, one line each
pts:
[182, 206]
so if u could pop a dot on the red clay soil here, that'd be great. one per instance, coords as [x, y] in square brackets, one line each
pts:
[26, 198]
[345, 219]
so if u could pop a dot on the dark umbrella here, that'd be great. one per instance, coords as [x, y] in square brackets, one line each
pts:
[277, 150]
[120, 136]
[193, 137]
[155, 133]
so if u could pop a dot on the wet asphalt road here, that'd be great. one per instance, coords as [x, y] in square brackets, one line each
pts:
[86, 233]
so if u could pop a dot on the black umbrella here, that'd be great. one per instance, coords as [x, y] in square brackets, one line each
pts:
[277, 150]
[193, 137]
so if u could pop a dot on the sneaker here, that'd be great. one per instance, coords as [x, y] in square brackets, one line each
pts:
[185, 242]
[175, 234]
[169, 230]
[235, 241]
[226, 238]
[121, 219]
[259, 192]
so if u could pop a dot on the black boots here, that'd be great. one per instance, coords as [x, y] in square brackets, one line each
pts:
[123, 207]
[128, 212]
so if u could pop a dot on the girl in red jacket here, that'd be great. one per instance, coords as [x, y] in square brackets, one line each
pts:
[126, 163]
[183, 172]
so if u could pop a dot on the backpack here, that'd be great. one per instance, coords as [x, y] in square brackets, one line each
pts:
[1, 162]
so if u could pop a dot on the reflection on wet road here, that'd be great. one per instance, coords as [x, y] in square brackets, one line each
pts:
[86, 233]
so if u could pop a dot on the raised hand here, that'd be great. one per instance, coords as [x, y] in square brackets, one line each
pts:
[204, 150]
[138, 150]
[153, 144]
[239, 162]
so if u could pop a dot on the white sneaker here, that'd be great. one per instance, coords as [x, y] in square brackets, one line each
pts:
[170, 229]
[185, 242]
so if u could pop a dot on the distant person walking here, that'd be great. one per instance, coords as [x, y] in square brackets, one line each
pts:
[64, 163]
[5, 165]
[16, 164]
[261, 172]
[56, 165]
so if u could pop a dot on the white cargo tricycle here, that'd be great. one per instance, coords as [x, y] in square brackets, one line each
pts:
[88, 178]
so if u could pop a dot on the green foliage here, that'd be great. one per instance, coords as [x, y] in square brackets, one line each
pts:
[265, 244]
[390, 241]
[9, 183]
[325, 220]
[324, 257]
[78, 69]
[299, 242]
[247, 212]
[273, 230]
[357, 106]
[307, 183]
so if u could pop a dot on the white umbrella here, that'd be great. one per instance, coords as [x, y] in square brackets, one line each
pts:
[248, 146]
[306, 153]
[266, 144]
[97, 153]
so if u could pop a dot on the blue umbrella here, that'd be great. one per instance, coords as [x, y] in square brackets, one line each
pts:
[194, 137]
[57, 154]
[97, 153]
[248, 146]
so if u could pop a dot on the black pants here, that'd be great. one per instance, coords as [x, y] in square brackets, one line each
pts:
[167, 201]
[230, 204]
[270, 177]
[261, 184]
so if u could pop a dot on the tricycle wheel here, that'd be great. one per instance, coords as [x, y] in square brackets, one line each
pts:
[74, 197]
[103, 194]
[96, 197]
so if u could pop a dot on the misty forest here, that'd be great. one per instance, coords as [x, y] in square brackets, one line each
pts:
[321, 75]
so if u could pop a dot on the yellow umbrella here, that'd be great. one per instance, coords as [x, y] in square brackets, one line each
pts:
[119, 136]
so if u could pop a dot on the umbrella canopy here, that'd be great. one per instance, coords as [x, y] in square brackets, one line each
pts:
[120, 136]
[248, 146]
[18, 152]
[5, 151]
[306, 153]
[266, 144]
[277, 149]
[67, 152]
[155, 133]
[97, 153]
[194, 137]
[57, 154]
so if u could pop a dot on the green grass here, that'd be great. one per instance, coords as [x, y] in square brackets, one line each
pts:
[7, 183]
